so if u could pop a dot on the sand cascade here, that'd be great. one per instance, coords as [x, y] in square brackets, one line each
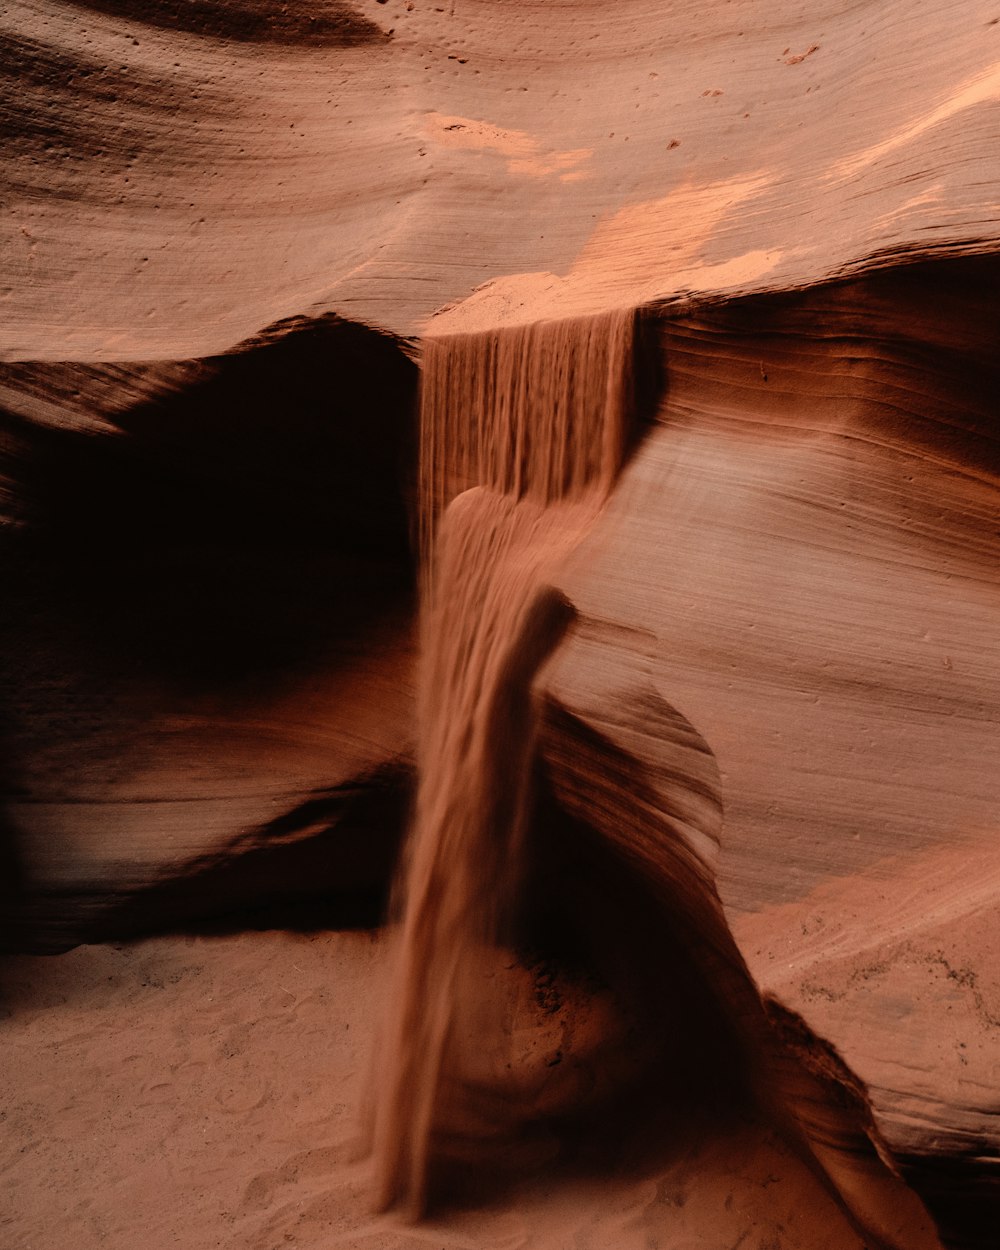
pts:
[523, 431]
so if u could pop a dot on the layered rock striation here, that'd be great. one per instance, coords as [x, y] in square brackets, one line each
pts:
[779, 715]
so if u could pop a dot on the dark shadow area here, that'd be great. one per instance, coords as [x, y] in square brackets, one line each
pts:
[69, 115]
[680, 1064]
[235, 525]
[962, 1193]
[596, 914]
[327, 864]
[914, 346]
[12, 890]
[237, 536]
[648, 380]
[326, 23]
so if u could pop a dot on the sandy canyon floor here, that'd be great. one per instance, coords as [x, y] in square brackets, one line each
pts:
[205, 1092]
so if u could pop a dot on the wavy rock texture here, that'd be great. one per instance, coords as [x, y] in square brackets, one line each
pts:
[721, 148]
[803, 561]
[780, 717]
[208, 638]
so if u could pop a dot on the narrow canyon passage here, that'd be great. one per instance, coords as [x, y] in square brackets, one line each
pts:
[562, 964]
[500, 683]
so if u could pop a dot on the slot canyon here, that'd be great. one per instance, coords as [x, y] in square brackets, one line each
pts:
[500, 706]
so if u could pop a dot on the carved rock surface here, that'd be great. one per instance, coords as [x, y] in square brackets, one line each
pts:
[789, 612]
[802, 560]
[208, 638]
[174, 190]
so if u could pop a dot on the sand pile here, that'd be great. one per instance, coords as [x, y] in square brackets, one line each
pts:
[205, 1093]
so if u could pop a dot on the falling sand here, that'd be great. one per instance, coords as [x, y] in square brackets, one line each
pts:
[524, 431]
[527, 427]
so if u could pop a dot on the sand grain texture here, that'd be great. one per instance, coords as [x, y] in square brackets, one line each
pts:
[171, 1115]
[230, 234]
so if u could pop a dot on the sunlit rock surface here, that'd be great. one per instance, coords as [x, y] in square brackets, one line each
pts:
[802, 561]
[395, 156]
[789, 614]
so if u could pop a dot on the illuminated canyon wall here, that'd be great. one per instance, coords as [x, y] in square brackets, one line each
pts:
[236, 235]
